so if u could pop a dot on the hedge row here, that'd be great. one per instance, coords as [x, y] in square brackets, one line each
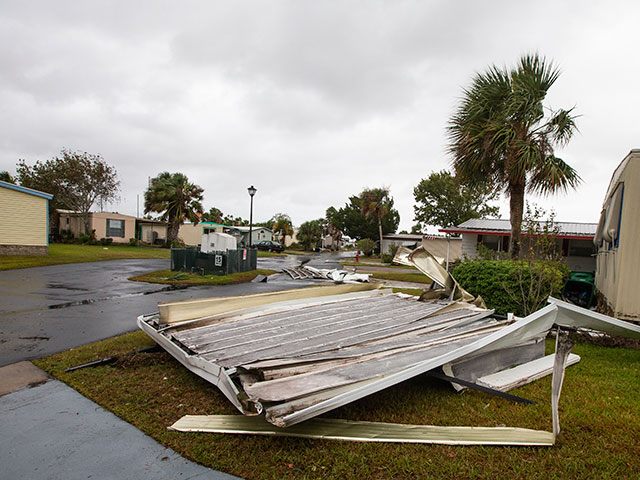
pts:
[501, 283]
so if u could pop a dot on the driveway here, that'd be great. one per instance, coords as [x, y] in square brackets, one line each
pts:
[46, 310]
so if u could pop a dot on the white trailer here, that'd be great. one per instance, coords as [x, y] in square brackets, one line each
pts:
[217, 242]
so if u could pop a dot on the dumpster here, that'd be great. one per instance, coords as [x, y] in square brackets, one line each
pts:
[191, 260]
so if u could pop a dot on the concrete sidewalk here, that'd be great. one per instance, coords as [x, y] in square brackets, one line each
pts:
[50, 431]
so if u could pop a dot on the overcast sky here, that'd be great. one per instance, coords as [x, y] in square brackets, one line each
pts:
[309, 101]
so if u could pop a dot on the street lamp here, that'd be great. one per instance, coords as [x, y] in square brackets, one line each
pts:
[252, 191]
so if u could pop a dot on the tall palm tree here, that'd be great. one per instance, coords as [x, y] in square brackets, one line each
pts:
[176, 198]
[374, 203]
[500, 134]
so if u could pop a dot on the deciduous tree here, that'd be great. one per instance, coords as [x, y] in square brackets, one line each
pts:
[444, 201]
[77, 180]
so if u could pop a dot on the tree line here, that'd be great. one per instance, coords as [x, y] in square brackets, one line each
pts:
[500, 140]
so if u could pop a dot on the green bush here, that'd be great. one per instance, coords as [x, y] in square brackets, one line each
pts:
[367, 246]
[82, 238]
[106, 241]
[388, 257]
[295, 246]
[133, 242]
[520, 287]
[66, 236]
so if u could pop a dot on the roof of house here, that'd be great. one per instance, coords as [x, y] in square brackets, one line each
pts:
[411, 236]
[30, 191]
[245, 229]
[499, 226]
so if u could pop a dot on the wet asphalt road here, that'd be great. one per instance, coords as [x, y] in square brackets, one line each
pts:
[46, 310]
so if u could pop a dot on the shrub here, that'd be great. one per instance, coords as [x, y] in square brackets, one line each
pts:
[133, 242]
[82, 238]
[520, 287]
[388, 257]
[93, 240]
[66, 236]
[106, 241]
[294, 246]
[367, 246]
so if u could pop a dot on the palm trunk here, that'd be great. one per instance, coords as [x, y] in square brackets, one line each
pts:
[380, 233]
[173, 232]
[516, 206]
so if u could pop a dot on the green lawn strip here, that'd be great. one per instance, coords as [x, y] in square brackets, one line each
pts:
[599, 415]
[262, 254]
[169, 277]
[416, 292]
[402, 277]
[69, 253]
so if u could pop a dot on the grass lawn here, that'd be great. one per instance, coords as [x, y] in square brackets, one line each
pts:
[599, 417]
[262, 253]
[181, 278]
[70, 253]
[402, 277]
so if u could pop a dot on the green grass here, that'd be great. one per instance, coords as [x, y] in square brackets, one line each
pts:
[599, 417]
[416, 292]
[262, 253]
[402, 277]
[69, 253]
[169, 277]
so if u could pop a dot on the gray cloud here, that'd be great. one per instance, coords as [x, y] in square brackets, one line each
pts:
[310, 101]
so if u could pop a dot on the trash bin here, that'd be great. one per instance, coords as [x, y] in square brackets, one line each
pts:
[579, 289]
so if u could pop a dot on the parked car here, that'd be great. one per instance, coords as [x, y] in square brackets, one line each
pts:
[269, 246]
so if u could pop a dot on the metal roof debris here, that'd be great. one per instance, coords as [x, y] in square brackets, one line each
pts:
[336, 275]
[293, 355]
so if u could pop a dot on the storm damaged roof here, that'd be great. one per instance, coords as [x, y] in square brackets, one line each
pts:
[293, 355]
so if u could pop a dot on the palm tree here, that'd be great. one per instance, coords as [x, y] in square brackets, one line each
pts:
[282, 226]
[374, 203]
[176, 198]
[500, 134]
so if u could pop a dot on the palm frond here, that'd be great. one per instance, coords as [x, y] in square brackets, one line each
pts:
[551, 175]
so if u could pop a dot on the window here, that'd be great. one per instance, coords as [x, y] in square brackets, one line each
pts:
[115, 228]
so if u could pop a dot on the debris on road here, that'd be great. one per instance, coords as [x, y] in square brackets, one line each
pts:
[337, 275]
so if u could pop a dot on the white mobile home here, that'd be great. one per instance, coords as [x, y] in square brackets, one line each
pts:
[618, 259]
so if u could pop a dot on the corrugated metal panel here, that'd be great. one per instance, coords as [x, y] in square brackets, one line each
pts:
[503, 225]
[23, 218]
[299, 359]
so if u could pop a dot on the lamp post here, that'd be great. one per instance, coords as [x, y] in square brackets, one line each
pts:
[252, 191]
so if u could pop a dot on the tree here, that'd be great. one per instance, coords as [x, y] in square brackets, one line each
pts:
[310, 234]
[177, 199]
[354, 224]
[500, 135]
[282, 226]
[374, 203]
[214, 215]
[230, 220]
[367, 246]
[77, 181]
[443, 200]
[6, 177]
